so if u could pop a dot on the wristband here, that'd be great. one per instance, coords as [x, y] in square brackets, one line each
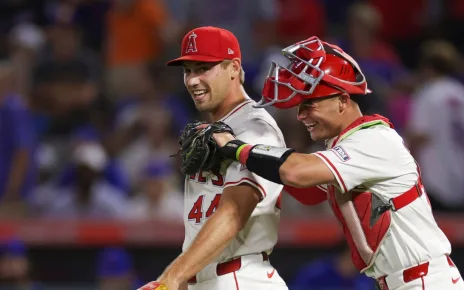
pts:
[232, 149]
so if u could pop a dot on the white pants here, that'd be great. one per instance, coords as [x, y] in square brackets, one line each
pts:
[254, 274]
[440, 276]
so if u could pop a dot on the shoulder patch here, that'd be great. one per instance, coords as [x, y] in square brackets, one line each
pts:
[341, 153]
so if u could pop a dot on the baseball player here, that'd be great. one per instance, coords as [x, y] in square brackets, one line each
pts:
[370, 179]
[232, 216]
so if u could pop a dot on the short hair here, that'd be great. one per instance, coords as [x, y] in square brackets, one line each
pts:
[367, 13]
[241, 75]
[441, 56]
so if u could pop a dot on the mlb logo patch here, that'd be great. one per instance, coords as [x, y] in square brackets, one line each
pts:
[341, 153]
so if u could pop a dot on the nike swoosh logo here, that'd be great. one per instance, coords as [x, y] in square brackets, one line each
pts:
[269, 275]
[453, 280]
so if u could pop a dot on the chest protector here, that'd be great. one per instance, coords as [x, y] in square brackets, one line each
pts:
[365, 218]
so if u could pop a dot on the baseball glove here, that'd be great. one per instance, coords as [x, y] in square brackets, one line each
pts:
[198, 148]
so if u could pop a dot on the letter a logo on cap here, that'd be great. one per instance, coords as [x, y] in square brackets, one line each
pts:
[191, 45]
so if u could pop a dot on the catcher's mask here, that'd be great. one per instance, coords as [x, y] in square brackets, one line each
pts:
[317, 69]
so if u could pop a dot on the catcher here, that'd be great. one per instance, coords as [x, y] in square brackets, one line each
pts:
[367, 174]
[231, 215]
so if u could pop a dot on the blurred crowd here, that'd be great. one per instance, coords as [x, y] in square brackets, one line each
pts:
[90, 114]
[113, 268]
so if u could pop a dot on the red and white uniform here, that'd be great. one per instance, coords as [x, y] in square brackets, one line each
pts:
[255, 242]
[371, 164]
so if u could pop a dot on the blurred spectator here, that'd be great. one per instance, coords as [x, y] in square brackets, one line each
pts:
[157, 199]
[155, 87]
[336, 14]
[137, 32]
[90, 16]
[404, 21]
[377, 58]
[15, 268]
[436, 126]
[364, 23]
[47, 161]
[64, 92]
[60, 11]
[115, 270]
[332, 273]
[65, 44]
[300, 19]
[295, 20]
[26, 39]
[90, 196]
[147, 136]
[65, 77]
[112, 172]
[17, 162]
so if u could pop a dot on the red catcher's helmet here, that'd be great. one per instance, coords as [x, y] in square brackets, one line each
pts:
[317, 69]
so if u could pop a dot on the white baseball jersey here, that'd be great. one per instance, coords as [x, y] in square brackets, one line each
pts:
[203, 191]
[437, 111]
[373, 158]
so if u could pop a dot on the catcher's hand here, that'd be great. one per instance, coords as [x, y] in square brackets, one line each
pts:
[198, 147]
[154, 285]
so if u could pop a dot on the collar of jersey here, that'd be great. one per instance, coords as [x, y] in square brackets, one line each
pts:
[237, 108]
[360, 123]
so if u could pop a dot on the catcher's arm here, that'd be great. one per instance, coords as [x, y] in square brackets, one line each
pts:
[279, 165]
[234, 209]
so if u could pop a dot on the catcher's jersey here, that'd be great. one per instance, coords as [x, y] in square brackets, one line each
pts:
[374, 159]
[203, 191]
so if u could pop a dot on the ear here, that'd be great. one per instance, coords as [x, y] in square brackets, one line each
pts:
[234, 68]
[345, 102]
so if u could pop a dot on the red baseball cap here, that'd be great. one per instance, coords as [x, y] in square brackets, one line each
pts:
[208, 44]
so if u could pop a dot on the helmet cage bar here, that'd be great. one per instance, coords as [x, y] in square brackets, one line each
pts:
[290, 53]
[274, 71]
